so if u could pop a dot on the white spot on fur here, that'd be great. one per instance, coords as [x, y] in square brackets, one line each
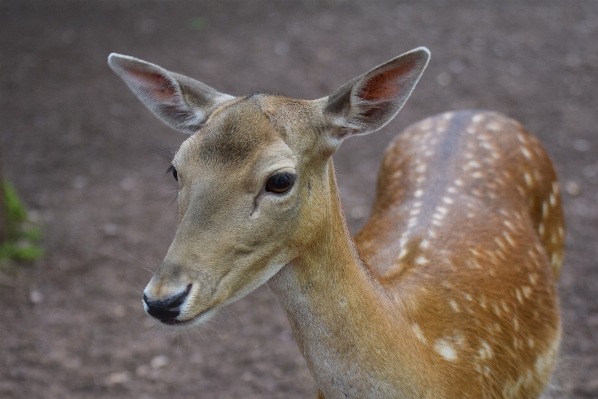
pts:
[403, 240]
[555, 187]
[445, 349]
[418, 193]
[555, 260]
[442, 210]
[499, 242]
[526, 153]
[419, 334]
[426, 124]
[421, 260]
[472, 164]
[520, 138]
[509, 238]
[528, 179]
[544, 209]
[454, 305]
[403, 253]
[493, 126]
[496, 309]
[509, 225]
[485, 351]
[477, 118]
[504, 305]
[483, 301]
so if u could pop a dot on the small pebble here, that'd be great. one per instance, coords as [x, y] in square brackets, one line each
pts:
[142, 370]
[119, 311]
[111, 230]
[444, 79]
[247, 376]
[573, 188]
[159, 362]
[358, 212]
[118, 378]
[128, 183]
[79, 182]
[581, 145]
[36, 297]
[590, 171]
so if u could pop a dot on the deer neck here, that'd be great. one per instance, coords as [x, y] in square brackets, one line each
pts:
[336, 309]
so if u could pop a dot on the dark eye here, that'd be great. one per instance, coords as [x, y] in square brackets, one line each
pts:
[174, 172]
[280, 183]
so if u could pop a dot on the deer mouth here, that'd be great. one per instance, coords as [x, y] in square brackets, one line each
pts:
[192, 321]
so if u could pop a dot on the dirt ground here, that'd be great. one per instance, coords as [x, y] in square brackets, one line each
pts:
[83, 153]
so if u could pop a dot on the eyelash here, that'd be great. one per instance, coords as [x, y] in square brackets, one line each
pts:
[172, 169]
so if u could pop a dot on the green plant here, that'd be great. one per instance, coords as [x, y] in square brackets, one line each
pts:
[23, 238]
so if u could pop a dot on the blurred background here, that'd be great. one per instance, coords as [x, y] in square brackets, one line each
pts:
[84, 156]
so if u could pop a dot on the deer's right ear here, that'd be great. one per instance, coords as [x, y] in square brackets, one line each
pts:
[370, 101]
[179, 101]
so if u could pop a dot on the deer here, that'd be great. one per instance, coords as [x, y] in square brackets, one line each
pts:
[448, 291]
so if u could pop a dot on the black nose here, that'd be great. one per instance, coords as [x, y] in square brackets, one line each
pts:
[166, 310]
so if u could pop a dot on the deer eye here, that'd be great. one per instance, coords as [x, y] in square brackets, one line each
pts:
[280, 183]
[172, 169]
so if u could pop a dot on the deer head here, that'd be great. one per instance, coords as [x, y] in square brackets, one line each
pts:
[255, 176]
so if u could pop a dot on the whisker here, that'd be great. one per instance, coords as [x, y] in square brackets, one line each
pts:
[165, 197]
[142, 263]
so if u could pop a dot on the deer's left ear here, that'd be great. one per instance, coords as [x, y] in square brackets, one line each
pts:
[371, 100]
[179, 101]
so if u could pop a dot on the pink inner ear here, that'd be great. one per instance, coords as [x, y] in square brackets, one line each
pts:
[155, 84]
[385, 85]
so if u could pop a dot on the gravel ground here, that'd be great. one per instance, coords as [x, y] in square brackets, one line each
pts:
[84, 154]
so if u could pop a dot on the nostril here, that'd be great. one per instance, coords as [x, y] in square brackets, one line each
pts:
[177, 300]
[168, 309]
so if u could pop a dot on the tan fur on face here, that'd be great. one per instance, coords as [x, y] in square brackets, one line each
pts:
[230, 237]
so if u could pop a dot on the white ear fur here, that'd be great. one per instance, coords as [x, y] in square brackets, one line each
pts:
[368, 102]
[179, 101]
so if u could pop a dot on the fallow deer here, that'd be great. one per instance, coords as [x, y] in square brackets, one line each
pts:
[449, 291]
